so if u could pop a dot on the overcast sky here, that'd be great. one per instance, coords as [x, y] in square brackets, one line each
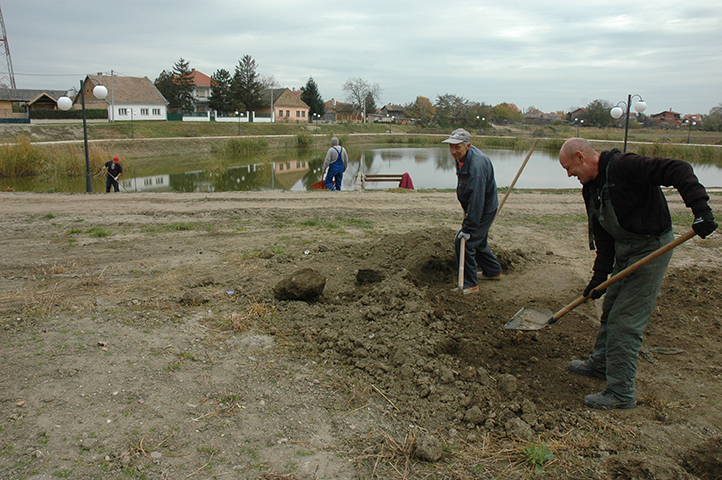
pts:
[554, 55]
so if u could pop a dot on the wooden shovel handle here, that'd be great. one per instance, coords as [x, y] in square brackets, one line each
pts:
[615, 278]
[462, 254]
[513, 182]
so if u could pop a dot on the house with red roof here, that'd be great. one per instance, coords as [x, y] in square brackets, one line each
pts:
[201, 91]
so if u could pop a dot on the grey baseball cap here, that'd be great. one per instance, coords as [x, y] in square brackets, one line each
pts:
[459, 136]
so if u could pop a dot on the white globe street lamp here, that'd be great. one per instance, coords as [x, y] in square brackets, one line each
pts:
[616, 112]
[65, 103]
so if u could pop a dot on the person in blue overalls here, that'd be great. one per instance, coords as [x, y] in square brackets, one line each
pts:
[628, 219]
[336, 161]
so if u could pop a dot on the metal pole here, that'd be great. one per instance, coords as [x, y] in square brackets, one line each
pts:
[626, 123]
[88, 182]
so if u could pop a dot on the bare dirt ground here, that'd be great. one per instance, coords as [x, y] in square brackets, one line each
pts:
[141, 338]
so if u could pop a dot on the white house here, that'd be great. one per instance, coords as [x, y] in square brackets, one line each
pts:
[129, 98]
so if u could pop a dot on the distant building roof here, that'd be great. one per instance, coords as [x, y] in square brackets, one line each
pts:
[24, 95]
[200, 79]
[130, 90]
[282, 97]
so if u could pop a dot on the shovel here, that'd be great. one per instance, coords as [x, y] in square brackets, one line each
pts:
[513, 182]
[501, 204]
[462, 254]
[532, 318]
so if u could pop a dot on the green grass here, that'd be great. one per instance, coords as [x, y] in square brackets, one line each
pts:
[98, 232]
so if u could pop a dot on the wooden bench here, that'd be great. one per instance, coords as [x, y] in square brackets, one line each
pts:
[362, 179]
[383, 178]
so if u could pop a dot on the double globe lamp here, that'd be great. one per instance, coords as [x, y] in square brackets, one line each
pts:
[65, 103]
[617, 112]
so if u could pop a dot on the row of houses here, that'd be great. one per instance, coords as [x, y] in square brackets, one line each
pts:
[137, 98]
[667, 118]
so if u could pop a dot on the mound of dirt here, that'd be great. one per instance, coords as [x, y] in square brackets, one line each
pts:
[176, 358]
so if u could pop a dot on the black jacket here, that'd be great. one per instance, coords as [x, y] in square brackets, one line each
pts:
[638, 201]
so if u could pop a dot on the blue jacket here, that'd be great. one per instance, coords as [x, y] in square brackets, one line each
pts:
[476, 189]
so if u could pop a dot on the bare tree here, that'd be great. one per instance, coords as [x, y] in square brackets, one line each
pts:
[359, 92]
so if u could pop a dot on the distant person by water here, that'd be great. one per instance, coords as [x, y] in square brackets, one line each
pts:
[113, 169]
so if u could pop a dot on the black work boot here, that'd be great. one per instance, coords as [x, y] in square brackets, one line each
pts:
[606, 400]
[583, 368]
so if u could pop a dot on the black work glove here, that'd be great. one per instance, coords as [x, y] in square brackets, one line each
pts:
[704, 224]
[596, 280]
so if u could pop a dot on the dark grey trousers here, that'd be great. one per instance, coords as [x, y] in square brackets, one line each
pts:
[626, 309]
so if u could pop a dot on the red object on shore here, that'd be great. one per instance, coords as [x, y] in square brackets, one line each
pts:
[320, 185]
[406, 182]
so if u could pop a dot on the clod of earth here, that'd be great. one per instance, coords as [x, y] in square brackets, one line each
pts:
[304, 284]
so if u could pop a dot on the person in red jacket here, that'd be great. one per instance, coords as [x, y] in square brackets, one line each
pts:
[628, 219]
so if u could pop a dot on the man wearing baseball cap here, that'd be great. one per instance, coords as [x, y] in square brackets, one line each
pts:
[113, 169]
[476, 191]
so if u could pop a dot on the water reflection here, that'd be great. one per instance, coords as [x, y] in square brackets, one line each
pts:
[429, 168]
[292, 169]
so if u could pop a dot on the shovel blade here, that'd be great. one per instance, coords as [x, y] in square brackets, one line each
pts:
[530, 318]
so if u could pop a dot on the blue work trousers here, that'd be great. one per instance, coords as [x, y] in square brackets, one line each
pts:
[334, 175]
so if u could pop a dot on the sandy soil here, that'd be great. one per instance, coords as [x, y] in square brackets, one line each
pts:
[141, 338]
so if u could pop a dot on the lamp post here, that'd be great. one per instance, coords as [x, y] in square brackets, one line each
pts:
[578, 122]
[617, 111]
[689, 132]
[238, 112]
[65, 103]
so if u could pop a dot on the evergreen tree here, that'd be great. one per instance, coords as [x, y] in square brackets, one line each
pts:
[183, 78]
[221, 98]
[246, 87]
[311, 97]
[370, 103]
[166, 86]
[177, 87]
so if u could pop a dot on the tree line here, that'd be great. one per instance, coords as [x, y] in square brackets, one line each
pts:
[243, 91]
[230, 94]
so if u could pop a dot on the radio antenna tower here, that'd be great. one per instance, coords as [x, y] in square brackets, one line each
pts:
[7, 77]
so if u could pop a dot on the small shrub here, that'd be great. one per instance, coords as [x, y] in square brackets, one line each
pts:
[537, 457]
[304, 140]
[245, 145]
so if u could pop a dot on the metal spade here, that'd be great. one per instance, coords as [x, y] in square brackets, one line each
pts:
[532, 318]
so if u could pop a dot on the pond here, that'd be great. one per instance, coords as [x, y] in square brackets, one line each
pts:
[293, 169]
